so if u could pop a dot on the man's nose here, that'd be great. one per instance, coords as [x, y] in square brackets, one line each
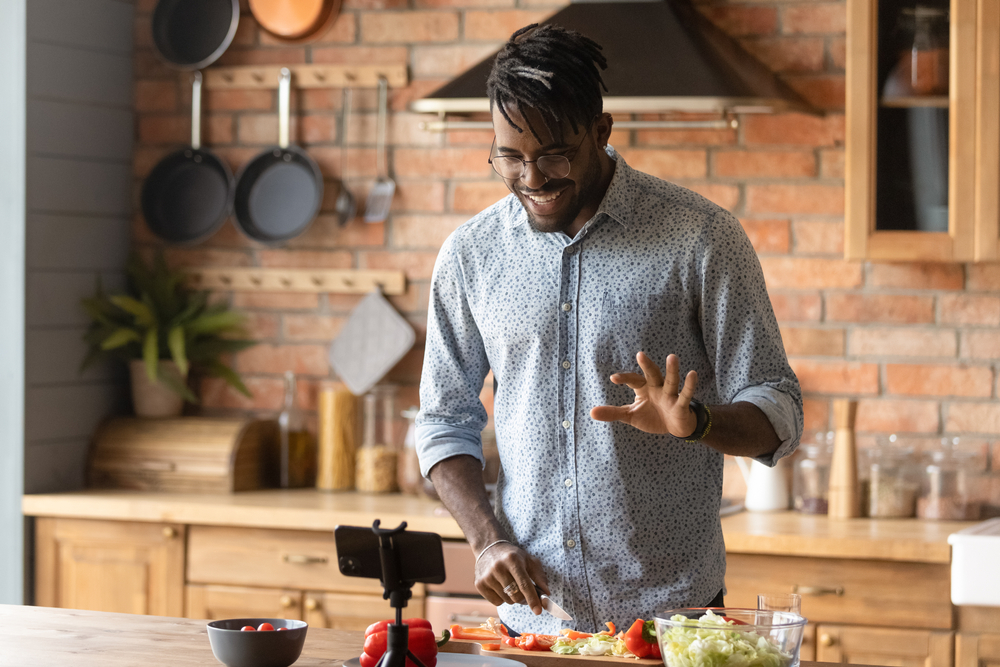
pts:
[533, 176]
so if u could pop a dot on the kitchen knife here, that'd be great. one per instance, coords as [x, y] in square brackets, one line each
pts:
[550, 606]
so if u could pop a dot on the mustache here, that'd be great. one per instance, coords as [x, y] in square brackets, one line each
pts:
[549, 188]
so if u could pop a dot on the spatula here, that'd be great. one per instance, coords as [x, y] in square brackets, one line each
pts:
[380, 197]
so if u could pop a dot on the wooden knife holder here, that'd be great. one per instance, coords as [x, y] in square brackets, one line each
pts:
[185, 455]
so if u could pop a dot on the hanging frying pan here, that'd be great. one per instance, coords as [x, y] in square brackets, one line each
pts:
[192, 34]
[279, 192]
[295, 20]
[189, 194]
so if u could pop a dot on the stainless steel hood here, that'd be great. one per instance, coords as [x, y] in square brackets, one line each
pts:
[662, 56]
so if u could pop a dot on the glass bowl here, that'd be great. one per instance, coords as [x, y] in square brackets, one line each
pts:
[728, 637]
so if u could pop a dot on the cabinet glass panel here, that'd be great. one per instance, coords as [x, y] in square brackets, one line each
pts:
[912, 123]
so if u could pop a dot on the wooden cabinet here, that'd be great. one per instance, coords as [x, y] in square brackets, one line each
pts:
[988, 130]
[977, 642]
[853, 644]
[912, 160]
[117, 566]
[217, 602]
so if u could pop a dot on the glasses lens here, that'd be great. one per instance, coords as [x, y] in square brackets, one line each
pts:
[554, 166]
[508, 167]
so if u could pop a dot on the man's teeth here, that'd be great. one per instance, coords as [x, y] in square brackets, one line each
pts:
[543, 199]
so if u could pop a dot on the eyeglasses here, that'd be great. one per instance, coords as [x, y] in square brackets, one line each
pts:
[552, 166]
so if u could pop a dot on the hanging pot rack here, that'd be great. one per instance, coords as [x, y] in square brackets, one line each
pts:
[305, 76]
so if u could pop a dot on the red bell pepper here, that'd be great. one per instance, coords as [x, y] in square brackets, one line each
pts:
[634, 641]
[422, 642]
[649, 634]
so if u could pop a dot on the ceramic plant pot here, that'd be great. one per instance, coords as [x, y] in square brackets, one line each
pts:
[154, 399]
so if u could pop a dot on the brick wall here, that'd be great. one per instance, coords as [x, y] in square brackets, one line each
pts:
[916, 343]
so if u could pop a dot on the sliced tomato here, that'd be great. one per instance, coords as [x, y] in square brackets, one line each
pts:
[458, 632]
[490, 647]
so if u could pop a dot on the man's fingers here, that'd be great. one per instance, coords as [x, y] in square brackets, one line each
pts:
[610, 413]
[633, 380]
[690, 385]
[672, 375]
[652, 372]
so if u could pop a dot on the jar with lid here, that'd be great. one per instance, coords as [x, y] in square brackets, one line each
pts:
[811, 475]
[892, 480]
[297, 449]
[376, 458]
[950, 486]
[410, 479]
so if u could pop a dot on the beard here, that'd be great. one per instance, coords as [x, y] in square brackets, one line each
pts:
[581, 193]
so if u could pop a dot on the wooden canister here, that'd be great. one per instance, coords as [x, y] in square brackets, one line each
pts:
[844, 498]
[338, 436]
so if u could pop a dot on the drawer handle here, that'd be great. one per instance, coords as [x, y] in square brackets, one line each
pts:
[826, 640]
[311, 604]
[286, 601]
[818, 590]
[467, 618]
[302, 559]
[169, 532]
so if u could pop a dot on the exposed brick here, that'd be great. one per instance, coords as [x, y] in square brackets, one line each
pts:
[818, 237]
[970, 309]
[419, 197]
[723, 137]
[738, 21]
[423, 231]
[358, 55]
[144, 158]
[462, 4]
[246, 31]
[142, 31]
[836, 377]
[408, 368]
[238, 99]
[805, 272]
[316, 129]
[767, 236]
[375, 4]
[276, 359]
[152, 95]
[793, 129]
[268, 394]
[305, 259]
[973, 418]
[815, 414]
[344, 303]
[416, 298]
[930, 275]
[890, 308]
[838, 52]
[404, 129]
[796, 306]
[893, 416]
[831, 163]
[802, 199]
[984, 277]
[474, 197]
[400, 98]
[262, 326]
[981, 345]
[481, 138]
[902, 342]
[823, 91]
[726, 196]
[416, 265]
[276, 300]
[763, 164]
[236, 156]
[448, 61]
[215, 129]
[814, 18]
[267, 56]
[501, 24]
[788, 54]
[939, 380]
[668, 164]
[147, 65]
[312, 327]
[441, 163]
[812, 342]
[411, 27]
[198, 257]
[361, 162]
[326, 232]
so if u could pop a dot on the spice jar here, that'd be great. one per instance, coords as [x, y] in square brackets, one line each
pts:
[951, 485]
[297, 449]
[929, 51]
[410, 479]
[892, 485]
[811, 476]
[376, 459]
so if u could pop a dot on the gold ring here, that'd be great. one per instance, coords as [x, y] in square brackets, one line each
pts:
[510, 589]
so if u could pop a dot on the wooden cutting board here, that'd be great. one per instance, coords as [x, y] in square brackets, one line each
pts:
[544, 658]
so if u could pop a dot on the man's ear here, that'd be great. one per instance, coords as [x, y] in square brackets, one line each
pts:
[602, 128]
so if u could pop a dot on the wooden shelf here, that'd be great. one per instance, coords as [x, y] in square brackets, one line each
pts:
[305, 76]
[341, 281]
[915, 102]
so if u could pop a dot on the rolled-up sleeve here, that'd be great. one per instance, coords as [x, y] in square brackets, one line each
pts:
[452, 416]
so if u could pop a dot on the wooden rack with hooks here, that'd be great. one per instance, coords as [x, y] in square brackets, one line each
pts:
[305, 76]
[340, 281]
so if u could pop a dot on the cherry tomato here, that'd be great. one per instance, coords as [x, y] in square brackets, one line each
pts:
[265, 627]
[248, 628]
[280, 629]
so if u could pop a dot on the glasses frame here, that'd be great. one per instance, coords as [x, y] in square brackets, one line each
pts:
[524, 163]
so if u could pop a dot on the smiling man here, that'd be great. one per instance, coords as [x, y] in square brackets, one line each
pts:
[571, 290]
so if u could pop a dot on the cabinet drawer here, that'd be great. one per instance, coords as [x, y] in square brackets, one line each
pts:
[444, 611]
[218, 602]
[914, 595]
[460, 568]
[272, 558]
[883, 646]
[345, 611]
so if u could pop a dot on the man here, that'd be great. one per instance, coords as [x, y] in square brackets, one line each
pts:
[569, 289]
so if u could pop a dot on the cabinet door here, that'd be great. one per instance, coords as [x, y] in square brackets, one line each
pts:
[883, 646]
[218, 602]
[977, 650]
[988, 131]
[910, 154]
[117, 566]
[348, 611]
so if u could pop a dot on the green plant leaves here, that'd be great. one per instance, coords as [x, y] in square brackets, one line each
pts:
[119, 337]
[175, 341]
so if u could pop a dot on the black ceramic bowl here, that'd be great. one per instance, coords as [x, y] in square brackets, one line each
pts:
[235, 648]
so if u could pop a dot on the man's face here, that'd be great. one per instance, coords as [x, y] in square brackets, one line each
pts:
[553, 205]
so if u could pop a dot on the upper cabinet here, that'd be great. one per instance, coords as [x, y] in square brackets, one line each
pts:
[913, 170]
[988, 130]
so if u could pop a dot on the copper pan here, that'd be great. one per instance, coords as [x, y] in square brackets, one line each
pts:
[295, 21]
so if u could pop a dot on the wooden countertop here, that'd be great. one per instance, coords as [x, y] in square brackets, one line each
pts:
[778, 533]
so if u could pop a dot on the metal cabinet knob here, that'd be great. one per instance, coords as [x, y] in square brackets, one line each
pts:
[826, 640]
[169, 532]
[311, 604]
[286, 601]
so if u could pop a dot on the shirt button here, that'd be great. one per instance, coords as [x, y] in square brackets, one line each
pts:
[568, 483]
[566, 365]
[566, 307]
[565, 424]
[571, 543]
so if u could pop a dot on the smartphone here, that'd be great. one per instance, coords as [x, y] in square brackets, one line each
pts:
[421, 559]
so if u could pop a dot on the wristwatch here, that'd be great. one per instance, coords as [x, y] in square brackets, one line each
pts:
[704, 423]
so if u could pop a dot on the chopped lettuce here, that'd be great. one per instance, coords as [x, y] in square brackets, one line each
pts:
[594, 645]
[713, 641]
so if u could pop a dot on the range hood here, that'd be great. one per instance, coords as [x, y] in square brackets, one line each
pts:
[663, 56]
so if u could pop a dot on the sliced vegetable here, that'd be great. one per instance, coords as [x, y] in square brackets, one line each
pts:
[638, 646]
[478, 634]
[490, 647]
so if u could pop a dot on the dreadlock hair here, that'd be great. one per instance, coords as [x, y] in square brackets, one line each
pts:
[551, 69]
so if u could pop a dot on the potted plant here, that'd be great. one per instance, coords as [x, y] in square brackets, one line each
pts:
[163, 330]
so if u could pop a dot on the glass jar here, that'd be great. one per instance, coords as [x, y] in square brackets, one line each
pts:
[376, 458]
[950, 488]
[811, 477]
[892, 484]
[297, 462]
[929, 51]
[410, 480]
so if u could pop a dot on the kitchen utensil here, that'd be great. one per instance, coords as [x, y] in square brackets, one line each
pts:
[844, 496]
[374, 338]
[380, 196]
[549, 605]
[271, 648]
[279, 192]
[781, 629]
[189, 193]
[767, 488]
[347, 205]
[295, 21]
[192, 34]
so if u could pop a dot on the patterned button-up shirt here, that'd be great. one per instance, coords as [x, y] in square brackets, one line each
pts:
[625, 523]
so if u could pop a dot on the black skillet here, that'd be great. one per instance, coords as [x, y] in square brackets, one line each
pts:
[192, 34]
[189, 194]
[279, 192]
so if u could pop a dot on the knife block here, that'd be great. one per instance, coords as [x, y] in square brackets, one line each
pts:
[844, 499]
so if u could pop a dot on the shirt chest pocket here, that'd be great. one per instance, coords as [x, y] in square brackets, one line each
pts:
[631, 323]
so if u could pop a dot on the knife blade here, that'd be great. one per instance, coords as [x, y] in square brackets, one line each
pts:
[550, 606]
